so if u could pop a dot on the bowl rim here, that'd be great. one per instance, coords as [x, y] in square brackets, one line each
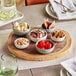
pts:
[58, 38]
[48, 29]
[21, 38]
[19, 25]
[35, 29]
[21, 31]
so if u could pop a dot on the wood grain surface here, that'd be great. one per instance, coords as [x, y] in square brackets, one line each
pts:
[30, 53]
[32, 2]
[20, 3]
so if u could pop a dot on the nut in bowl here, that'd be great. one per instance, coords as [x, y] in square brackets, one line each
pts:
[48, 26]
[58, 35]
[21, 29]
[37, 34]
[21, 43]
[45, 46]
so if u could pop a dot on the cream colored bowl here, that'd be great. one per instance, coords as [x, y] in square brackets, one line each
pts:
[36, 39]
[57, 39]
[21, 46]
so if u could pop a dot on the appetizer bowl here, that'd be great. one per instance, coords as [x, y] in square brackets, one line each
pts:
[21, 29]
[37, 34]
[21, 43]
[48, 26]
[58, 36]
[45, 46]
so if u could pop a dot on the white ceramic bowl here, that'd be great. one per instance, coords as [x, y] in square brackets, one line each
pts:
[57, 39]
[20, 46]
[47, 50]
[36, 39]
[21, 33]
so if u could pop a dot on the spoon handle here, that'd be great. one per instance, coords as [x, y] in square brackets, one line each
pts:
[62, 5]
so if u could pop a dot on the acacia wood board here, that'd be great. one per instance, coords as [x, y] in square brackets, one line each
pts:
[30, 53]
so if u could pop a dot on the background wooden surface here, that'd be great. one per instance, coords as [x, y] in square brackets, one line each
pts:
[32, 2]
[20, 3]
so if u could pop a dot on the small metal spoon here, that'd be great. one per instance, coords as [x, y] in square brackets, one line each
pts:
[68, 9]
[64, 11]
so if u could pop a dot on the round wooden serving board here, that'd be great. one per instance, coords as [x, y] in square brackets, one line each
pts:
[30, 53]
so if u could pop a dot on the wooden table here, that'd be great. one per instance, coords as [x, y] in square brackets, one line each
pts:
[20, 3]
[34, 15]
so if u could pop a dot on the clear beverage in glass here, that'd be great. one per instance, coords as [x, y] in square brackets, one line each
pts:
[7, 9]
[8, 66]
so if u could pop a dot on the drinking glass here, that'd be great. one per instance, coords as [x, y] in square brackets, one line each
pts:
[7, 9]
[8, 66]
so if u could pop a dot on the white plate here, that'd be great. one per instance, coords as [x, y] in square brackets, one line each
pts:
[17, 17]
[70, 66]
[63, 72]
[50, 12]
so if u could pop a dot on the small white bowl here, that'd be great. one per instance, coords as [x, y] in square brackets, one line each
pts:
[20, 33]
[36, 39]
[58, 39]
[21, 46]
[46, 51]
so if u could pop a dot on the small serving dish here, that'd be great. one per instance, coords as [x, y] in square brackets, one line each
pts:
[48, 26]
[37, 34]
[58, 35]
[21, 29]
[21, 43]
[45, 46]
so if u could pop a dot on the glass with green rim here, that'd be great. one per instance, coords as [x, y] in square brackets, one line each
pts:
[8, 66]
[7, 9]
